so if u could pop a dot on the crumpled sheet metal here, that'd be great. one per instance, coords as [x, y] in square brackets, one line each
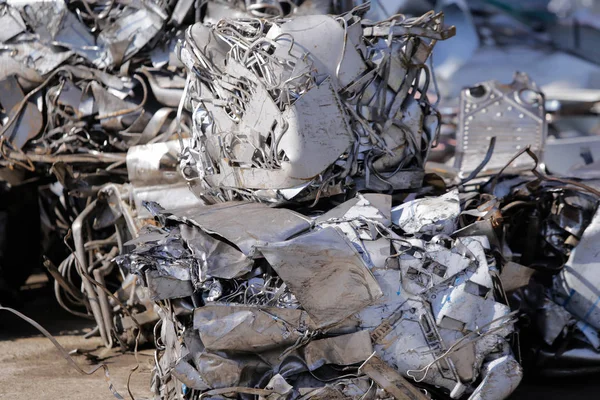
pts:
[440, 313]
[323, 297]
[90, 115]
[320, 268]
[576, 287]
[220, 9]
[109, 46]
[245, 224]
[30, 120]
[153, 171]
[339, 350]
[249, 329]
[162, 286]
[186, 246]
[12, 22]
[219, 259]
[279, 116]
[90, 93]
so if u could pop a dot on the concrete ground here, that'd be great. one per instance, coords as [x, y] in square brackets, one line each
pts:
[32, 368]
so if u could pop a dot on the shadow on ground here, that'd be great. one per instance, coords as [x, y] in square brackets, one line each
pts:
[36, 300]
[32, 368]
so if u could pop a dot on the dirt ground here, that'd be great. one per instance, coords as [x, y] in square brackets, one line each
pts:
[32, 368]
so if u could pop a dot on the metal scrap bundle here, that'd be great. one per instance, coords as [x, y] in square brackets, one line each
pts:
[263, 301]
[378, 296]
[308, 107]
[437, 297]
[81, 83]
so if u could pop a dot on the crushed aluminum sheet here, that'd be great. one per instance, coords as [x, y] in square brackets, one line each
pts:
[321, 268]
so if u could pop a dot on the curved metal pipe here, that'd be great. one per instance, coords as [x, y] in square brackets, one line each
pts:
[81, 263]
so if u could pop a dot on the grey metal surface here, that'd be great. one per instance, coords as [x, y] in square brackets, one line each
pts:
[512, 113]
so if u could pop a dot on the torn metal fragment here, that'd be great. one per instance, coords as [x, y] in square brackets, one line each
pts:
[341, 350]
[11, 22]
[288, 113]
[514, 114]
[218, 259]
[325, 273]
[245, 224]
[228, 328]
[514, 276]
[28, 119]
[429, 215]
[163, 287]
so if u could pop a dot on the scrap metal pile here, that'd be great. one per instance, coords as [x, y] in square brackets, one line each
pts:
[81, 84]
[279, 115]
[256, 203]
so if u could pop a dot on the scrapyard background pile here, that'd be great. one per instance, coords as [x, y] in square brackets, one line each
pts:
[310, 199]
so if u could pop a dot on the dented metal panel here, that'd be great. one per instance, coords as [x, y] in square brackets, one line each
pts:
[340, 350]
[246, 224]
[320, 268]
[514, 114]
[223, 327]
[258, 195]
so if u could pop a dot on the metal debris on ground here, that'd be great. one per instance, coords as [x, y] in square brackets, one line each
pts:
[248, 187]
